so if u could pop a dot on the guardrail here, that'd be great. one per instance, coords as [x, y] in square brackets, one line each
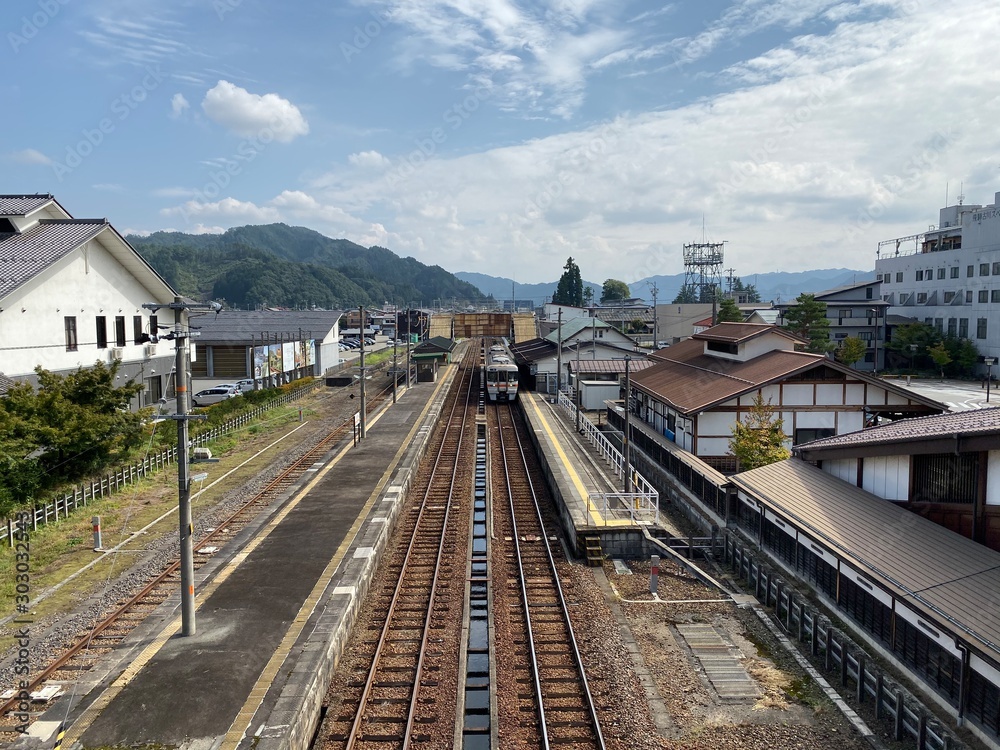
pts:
[84, 494]
[643, 503]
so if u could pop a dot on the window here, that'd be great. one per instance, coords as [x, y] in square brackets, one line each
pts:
[920, 275]
[948, 297]
[963, 328]
[154, 328]
[996, 268]
[954, 272]
[984, 269]
[137, 329]
[945, 478]
[984, 296]
[868, 293]
[804, 435]
[102, 332]
[939, 324]
[940, 273]
[921, 298]
[845, 313]
[119, 330]
[980, 328]
[968, 297]
[70, 324]
[995, 295]
[952, 326]
[970, 271]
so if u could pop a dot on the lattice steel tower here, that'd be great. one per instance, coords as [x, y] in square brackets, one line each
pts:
[703, 268]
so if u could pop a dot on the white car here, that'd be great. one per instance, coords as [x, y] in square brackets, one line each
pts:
[211, 396]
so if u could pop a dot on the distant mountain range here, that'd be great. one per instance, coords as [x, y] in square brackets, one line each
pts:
[276, 265]
[777, 286]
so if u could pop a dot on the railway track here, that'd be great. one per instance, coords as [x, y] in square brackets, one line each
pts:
[401, 690]
[102, 638]
[543, 693]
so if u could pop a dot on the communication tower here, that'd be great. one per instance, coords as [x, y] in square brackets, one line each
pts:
[703, 269]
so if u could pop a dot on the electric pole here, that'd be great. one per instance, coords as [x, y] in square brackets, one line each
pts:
[185, 526]
[361, 312]
[656, 332]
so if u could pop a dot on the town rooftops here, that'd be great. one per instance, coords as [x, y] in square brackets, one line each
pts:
[737, 333]
[975, 429]
[573, 326]
[532, 350]
[612, 366]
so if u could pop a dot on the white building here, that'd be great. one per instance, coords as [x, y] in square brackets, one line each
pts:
[949, 276]
[71, 294]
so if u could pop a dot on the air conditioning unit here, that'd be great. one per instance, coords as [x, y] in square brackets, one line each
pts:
[149, 350]
[117, 352]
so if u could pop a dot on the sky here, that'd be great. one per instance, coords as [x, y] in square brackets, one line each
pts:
[505, 136]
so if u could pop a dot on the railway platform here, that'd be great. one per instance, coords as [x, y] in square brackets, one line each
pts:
[587, 486]
[274, 610]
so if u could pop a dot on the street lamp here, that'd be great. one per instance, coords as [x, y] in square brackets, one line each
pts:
[989, 374]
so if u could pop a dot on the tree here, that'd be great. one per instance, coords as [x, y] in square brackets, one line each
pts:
[851, 350]
[729, 311]
[614, 290]
[808, 319]
[588, 296]
[760, 439]
[569, 291]
[686, 296]
[749, 290]
[637, 325]
[939, 353]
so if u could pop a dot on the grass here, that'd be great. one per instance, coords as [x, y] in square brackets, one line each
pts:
[61, 549]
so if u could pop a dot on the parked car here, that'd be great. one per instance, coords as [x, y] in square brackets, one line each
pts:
[245, 385]
[211, 396]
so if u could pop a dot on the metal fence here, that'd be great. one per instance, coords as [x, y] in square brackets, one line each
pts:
[84, 494]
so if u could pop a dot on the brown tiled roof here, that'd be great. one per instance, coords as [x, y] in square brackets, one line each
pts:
[736, 333]
[940, 572]
[974, 422]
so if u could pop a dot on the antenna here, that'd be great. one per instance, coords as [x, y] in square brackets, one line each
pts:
[961, 193]
[946, 194]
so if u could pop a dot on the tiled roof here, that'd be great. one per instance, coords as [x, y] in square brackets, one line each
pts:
[22, 205]
[962, 424]
[23, 256]
[5, 384]
[941, 572]
[532, 350]
[736, 333]
[591, 366]
[572, 327]
[243, 326]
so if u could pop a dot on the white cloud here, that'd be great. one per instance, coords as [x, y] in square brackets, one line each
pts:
[250, 115]
[229, 208]
[111, 187]
[203, 229]
[29, 156]
[178, 106]
[369, 159]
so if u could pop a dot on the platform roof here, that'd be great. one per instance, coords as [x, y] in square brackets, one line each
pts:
[936, 571]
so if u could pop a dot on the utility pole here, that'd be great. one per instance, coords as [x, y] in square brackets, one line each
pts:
[656, 331]
[626, 459]
[185, 526]
[577, 385]
[364, 420]
[558, 354]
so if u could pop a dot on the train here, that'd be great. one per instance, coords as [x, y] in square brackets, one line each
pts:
[501, 374]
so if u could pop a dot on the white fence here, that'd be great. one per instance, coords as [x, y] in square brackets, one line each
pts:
[84, 494]
[641, 505]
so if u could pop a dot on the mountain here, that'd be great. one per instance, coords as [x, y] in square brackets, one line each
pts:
[284, 266]
[778, 286]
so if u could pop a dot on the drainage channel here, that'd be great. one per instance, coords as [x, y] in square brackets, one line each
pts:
[477, 724]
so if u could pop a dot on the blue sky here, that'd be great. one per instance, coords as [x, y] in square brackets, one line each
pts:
[502, 136]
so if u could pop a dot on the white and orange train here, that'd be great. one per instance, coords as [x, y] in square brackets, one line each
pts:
[501, 374]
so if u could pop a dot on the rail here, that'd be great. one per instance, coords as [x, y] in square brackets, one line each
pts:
[84, 494]
[642, 503]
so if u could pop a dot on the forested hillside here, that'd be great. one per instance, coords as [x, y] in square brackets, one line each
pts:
[282, 266]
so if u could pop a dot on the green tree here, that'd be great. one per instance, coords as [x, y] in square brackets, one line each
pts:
[729, 311]
[760, 439]
[939, 353]
[588, 296]
[851, 350]
[686, 296]
[638, 325]
[614, 290]
[964, 355]
[569, 291]
[808, 319]
[749, 289]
